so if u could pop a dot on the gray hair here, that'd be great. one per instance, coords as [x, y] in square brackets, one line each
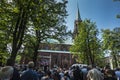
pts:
[94, 74]
[6, 72]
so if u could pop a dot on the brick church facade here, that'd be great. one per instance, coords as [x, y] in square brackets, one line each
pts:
[52, 54]
[55, 55]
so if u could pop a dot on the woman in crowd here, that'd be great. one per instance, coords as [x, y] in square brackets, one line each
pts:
[109, 75]
[6, 73]
[94, 74]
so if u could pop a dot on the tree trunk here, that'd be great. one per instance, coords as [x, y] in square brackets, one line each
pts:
[11, 60]
[18, 36]
[38, 41]
[86, 57]
[35, 54]
[116, 64]
[90, 56]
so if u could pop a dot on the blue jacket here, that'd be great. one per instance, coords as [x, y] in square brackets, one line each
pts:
[29, 75]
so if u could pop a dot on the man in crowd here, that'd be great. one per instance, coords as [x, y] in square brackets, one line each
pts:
[30, 74]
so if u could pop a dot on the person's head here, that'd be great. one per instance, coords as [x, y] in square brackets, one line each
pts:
[31, 64]
[118, 69]
[77, 67]
[48, 73]
[109, 72]
[66, 73]
[6, 73]
[94, 74]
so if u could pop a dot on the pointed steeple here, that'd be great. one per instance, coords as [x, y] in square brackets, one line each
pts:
[76, 23]
[78, 18]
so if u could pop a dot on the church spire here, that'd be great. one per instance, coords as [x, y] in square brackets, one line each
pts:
[76, 23]
[78, 18]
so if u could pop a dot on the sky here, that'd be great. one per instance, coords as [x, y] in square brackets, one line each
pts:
[103, 12]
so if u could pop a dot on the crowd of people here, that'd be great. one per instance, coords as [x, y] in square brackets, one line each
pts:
[57, 73]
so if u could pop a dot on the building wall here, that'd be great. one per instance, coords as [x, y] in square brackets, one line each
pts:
[55, 54]
[52, 59]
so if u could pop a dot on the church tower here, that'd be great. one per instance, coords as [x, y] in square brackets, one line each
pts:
[76, 23]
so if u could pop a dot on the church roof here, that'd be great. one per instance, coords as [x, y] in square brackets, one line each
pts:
[53, 51]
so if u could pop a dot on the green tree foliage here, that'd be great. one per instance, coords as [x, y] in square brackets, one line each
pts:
[118, 15]
[45, 17]
[5, 28]
[20, 15]
[28, 49]
[49, 23]
[111, 41]
[86, 43]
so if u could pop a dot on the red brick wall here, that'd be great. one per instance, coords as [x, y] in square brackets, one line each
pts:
[63, 60]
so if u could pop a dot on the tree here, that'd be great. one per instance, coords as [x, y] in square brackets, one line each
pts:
[45, 17]
[5, 29]
[28, 49]
[50, 24]
[118, 15]
[111, 40]
[20, 14]
[86, 43]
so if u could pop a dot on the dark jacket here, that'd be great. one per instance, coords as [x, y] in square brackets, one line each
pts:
[110, 78]
[29, 75]
[77, 73]
[16, 75]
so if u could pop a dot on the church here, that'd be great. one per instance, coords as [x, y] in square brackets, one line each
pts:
[52, 54]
